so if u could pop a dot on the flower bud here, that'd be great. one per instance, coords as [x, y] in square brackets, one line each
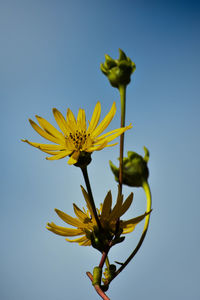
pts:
[119, 70]
[109, 273]
[97, 273]
[135, 170]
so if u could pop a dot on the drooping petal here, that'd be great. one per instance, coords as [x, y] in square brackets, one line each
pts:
[105, 122]
[79, 240]
[63, 230]
[68, 219]
[95, 117]
[45, 146]
[85, 243]
[60, 155]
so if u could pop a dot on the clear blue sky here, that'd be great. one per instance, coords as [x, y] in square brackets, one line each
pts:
[49, 57]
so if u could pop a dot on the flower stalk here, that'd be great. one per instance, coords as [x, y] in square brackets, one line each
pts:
[146, 225]
[122, 91]
[89, 190]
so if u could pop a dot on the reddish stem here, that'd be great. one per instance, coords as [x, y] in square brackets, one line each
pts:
[98, 288]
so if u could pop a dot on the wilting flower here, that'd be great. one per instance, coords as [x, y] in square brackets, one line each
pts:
[85, 222]
[75, 139]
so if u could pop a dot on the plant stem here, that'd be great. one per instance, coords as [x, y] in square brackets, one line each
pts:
[122, 91]
[146, 224]
[87, 182]
[98, 288]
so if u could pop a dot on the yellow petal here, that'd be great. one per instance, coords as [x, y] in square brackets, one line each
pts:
[126, 205]
[88, 144]
[128, 228]
[87, 200]
[110, 136]
[60, 155]
[106, 208]
[71, 121]
[63, 230]
[74, 158]
[43, 133]
[134, 221]
[117, 206]
[95, 117]
[49, 128]
[105, 122]
[61, 121]
[68, 219]
[79, 240]
[116, 213]
[80, 214]
[81, 120]
[97, 148]
[85, 243]
[45, 146]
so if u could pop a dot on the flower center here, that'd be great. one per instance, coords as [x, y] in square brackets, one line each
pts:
[78, 138]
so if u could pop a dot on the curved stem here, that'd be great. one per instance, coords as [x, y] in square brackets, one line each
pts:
[122, 91]
[146, 225]
[87, 182]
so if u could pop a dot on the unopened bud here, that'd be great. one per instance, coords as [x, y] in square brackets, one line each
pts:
[135, 170]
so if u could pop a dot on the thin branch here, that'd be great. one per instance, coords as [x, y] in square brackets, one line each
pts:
[98, 288]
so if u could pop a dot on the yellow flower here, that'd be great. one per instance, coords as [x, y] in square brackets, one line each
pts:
[85, 222]
[75, 138]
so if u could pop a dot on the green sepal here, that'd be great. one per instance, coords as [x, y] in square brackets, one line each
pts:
[97, 274]
[100, 239]
[118, 240]
[83, 160]
[135, 170]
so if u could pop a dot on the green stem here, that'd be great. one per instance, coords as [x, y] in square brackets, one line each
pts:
[87, 182]
[146, 225]
[122, 91]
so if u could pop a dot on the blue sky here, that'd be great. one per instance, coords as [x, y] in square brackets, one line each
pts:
[50, 56]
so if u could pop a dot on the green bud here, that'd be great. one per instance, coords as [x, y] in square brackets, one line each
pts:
[135, 170]
[97, 274]
[109, 273]
[119, 70]
[83, 160]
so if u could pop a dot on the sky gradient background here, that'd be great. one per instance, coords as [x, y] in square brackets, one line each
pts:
[49, 57]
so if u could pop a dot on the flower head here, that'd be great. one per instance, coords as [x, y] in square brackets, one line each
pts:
[75, 138]
[85, 223]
